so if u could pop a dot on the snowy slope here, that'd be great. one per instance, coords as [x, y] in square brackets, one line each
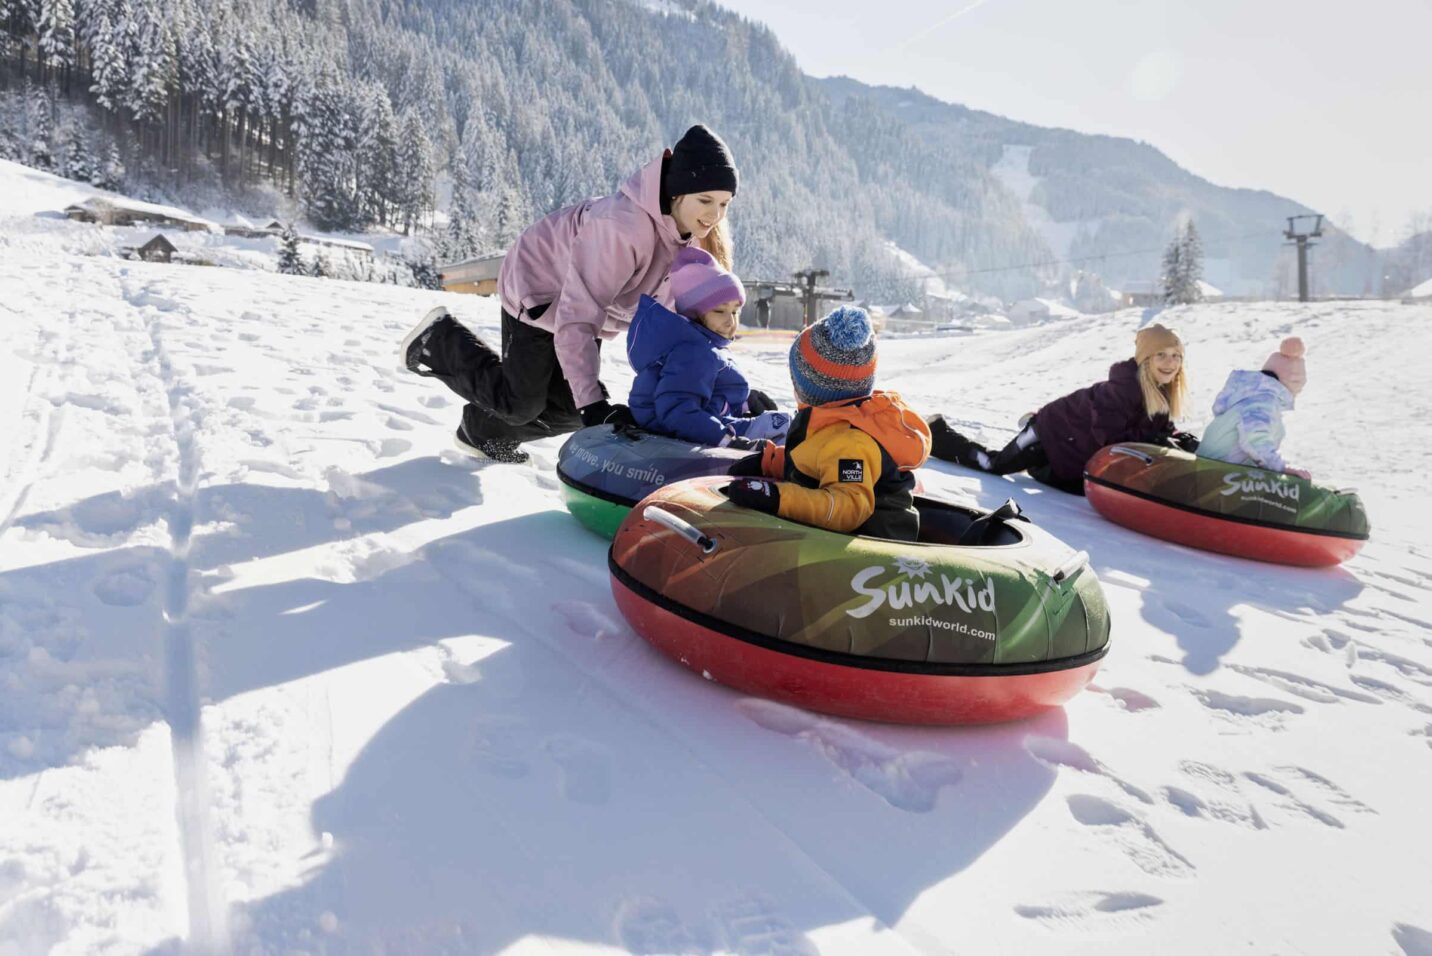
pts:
[281, 672]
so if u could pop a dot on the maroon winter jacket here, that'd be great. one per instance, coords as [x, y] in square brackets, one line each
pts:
[1072, 428]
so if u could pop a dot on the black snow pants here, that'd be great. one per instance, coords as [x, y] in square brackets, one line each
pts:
[1023, 453]
[519, 396]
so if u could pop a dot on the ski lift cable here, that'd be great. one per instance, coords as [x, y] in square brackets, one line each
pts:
[956, 274]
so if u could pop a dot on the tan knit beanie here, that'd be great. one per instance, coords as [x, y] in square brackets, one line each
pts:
[1148, 342]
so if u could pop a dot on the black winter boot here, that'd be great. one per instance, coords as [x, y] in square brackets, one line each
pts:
[503, 450]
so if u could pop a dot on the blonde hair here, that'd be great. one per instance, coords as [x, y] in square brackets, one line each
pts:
[717, 241]
[1163, 399]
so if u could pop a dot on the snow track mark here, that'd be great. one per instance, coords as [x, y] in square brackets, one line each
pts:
[1132, 834]
[1093, 911]
[908, 781]
[207, 917]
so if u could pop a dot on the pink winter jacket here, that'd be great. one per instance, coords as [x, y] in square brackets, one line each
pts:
[592, 261]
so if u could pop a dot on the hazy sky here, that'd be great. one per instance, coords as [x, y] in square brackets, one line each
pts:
[1328, 102]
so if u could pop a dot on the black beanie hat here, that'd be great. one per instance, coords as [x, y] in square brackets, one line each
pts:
[700, 161]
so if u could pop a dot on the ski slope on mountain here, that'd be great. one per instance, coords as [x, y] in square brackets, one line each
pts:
[280, 671]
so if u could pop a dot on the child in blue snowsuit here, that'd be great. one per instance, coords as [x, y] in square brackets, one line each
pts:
[1248, 414]
[686, 384]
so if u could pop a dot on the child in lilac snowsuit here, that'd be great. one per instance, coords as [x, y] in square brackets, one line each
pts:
[687, 385]
[1248, 414]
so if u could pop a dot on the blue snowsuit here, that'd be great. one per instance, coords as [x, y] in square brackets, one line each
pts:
[686, 384]
[1248, 421]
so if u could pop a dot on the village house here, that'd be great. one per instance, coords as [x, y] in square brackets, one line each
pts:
[476, 276]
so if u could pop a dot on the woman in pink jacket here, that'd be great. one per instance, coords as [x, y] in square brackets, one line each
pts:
[569, 281]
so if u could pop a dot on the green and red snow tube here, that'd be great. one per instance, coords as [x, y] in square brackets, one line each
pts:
[984, 619]
[606, 470]
[1232, 509]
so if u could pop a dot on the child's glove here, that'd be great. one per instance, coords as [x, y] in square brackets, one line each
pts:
[750, 466]
[754, 493]
[756, 403]
[772, 425]
[1298, 472]
[1185, 440]
[742, 443]
[603, 412]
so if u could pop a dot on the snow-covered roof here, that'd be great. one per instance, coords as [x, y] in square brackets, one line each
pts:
[107, 204]
[1423, 291]
[1052, 307]
[341, 243]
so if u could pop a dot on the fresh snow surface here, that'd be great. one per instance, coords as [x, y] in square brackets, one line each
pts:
[280, 672]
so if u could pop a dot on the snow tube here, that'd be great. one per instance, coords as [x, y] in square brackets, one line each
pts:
[984, 619]
[605, 470]
[1232, 509]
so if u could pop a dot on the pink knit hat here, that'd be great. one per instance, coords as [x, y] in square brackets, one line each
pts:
[1287, 364]
[699, 284]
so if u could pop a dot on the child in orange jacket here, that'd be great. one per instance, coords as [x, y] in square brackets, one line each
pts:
[850, 452]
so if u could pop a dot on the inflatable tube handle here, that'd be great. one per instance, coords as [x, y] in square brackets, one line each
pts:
[684, 528]
[1132, 453]
[1070, 569]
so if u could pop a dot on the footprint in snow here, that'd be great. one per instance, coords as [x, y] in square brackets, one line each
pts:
[1134, 837]
[1235, 705]
[1131, 700]
[649, 926]
[392, 447]
[1056, 753]
[1215, 795]
[125, 587]
[1093, 911]
[749, 924]
[1287, 782]
[585, 768]
[907, 780]
[1304, 687]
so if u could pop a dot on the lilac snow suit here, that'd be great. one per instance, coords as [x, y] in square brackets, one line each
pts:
[1247, 427]
[1075, 426]
[686, 384]
[592, 261]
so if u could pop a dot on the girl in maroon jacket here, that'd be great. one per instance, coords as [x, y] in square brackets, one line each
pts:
[1138, 403]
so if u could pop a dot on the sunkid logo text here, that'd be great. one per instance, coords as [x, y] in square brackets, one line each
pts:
[1236, 482]
[964, 593]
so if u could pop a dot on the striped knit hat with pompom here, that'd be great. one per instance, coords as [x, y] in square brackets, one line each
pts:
[834, 359]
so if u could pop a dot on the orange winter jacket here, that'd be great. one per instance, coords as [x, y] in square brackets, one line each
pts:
[847, 466]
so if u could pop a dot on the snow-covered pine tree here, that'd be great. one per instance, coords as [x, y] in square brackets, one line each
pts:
[110, 173]
[1191, 259]
[109, 70]
[377, 167]
[57, 32]
[290, 262]
[77, 163]
[1173, 271]
[415, 172]
[40, 128]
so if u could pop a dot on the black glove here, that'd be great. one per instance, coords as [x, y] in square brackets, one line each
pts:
[603, 412]
[754, 493]
[748, 467]
[1185, 440]
[742, 443]
[758, 402]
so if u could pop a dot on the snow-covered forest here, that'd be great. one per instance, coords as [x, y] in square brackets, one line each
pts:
[466, 120]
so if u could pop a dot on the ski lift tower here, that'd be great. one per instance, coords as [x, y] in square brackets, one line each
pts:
[812, 295]
[1300, 230]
